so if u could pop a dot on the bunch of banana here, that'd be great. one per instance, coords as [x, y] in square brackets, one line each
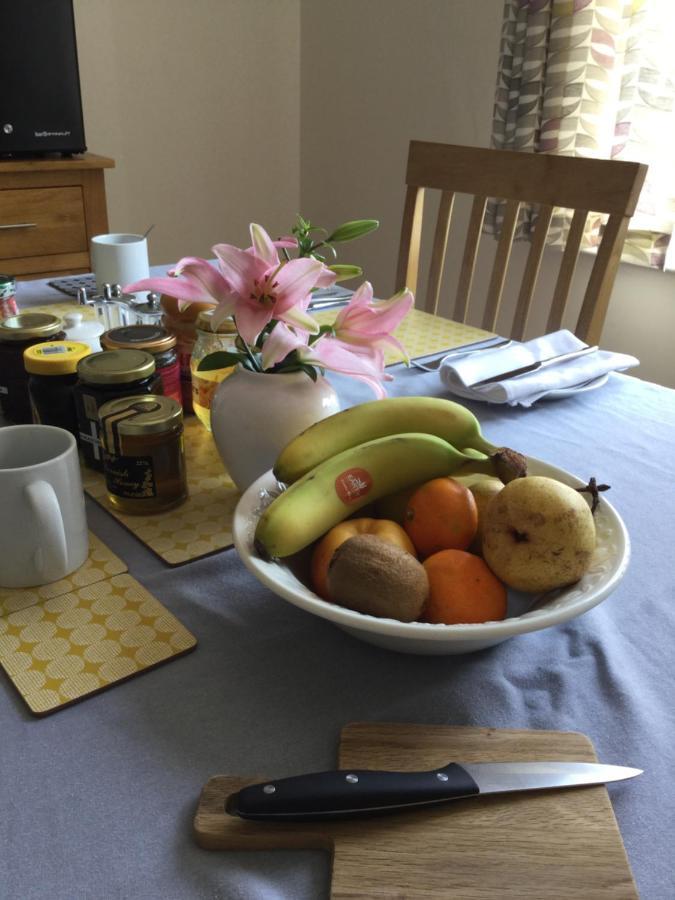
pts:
[368, 452]
[450, 421]
[349, 480]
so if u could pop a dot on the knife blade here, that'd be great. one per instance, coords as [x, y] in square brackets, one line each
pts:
[533, 367]
[350, 793]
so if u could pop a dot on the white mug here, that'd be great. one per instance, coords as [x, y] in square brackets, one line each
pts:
[43, 526]
[119, 259]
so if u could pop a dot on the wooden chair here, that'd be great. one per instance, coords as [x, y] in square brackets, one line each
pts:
[582, 185]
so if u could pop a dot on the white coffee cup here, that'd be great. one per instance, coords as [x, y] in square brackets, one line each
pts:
[43, 526]
[119, 259]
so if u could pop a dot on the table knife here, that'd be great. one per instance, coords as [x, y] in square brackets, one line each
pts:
[359, 792]
[534, 367]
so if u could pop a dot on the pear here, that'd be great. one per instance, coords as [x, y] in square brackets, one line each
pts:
[538, 534]
[483, 488]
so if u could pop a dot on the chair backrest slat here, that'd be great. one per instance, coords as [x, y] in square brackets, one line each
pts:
[496, 288]
[599, 288]
[411, 238]
[469, 259]
[531, 272]
[438, 249]
[608, 187]
[568, 265]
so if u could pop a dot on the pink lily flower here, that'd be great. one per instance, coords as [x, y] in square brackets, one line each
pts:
[281, 341]
[367, 324]
[268, 288]
[336, 356]
[192, 280]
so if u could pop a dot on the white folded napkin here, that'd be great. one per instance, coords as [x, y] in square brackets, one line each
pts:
[524, 390]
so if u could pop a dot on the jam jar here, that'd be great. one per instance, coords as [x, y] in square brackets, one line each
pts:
[106, 376]
[154, 339]
[181, 321]
[52, 370]
[16, 334]
[143, 453]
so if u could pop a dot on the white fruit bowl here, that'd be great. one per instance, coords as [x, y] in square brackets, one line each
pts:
[526, 612]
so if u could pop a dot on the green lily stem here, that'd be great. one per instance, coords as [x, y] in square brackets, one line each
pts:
[254, 362]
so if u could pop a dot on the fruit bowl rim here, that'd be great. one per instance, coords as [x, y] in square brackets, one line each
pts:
[247, 511]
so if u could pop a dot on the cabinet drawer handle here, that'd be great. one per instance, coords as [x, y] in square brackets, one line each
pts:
[21, 225]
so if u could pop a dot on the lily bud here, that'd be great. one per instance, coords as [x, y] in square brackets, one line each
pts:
[345, 272]
[351, 230]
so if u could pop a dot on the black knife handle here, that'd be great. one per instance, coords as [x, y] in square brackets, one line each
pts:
[348, 793]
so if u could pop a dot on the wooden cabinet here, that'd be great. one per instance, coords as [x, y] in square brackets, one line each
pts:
[49, 211]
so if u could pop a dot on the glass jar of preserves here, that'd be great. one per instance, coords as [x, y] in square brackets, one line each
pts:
[181, 321]
[153, 339]
[16, 334]
[106, 376]
[52, 371]
[205, 381]
[143, 453]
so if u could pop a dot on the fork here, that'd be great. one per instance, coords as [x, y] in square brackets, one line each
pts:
[457, 351]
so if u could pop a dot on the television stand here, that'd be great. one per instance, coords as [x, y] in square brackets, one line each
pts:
[50, 208]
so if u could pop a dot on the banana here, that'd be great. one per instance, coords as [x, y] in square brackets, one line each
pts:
[346, 482]
[378, 418]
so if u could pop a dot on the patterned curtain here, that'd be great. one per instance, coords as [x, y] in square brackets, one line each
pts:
[593, 78]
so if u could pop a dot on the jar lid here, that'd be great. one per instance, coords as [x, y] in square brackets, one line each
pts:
[204, 323]
[152, 338]
[139, 415]
[54, 357]
[116, 367]
[29, 325]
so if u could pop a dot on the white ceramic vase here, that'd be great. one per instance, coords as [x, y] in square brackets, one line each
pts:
[255, 414]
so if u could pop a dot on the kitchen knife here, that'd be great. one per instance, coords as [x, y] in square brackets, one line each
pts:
[357, 792]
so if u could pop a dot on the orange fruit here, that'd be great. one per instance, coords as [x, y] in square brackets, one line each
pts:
[441, 515]
[462, 589]
[326, 547]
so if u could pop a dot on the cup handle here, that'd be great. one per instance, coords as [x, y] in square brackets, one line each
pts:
[52, 554]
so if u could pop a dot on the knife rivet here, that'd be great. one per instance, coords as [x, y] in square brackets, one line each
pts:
[352, 779]
[441, 776]
[269, 789]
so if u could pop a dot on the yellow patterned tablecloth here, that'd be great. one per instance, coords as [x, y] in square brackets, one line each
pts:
[61, 650]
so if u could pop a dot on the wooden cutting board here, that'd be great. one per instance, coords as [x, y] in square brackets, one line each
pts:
[551, 845]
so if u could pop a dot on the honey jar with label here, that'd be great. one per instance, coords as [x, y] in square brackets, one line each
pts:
[143, 453]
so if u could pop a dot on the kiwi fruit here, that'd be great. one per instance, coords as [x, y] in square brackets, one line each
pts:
[375, 577]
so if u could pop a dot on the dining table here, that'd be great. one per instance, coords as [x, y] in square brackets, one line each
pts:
[98, 798]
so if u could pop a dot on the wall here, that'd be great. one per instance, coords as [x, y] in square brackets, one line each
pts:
[376, 74]
[198, 103]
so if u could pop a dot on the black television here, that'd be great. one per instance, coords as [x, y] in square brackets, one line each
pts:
[40, 100]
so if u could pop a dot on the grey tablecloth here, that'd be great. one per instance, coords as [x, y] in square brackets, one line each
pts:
[97, 799]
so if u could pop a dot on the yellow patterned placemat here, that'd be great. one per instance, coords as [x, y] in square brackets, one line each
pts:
[421, 333]
[69, 647]
[99, 565]
[201, 525]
